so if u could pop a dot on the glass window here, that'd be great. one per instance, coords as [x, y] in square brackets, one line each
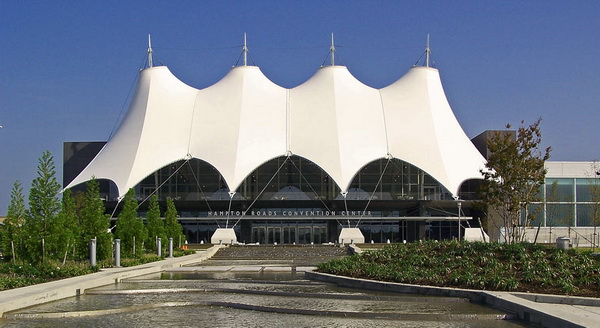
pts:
[588, 190]
[536, 213]
[560, 215]
[559, 190]
[584, 215]
[395, 180]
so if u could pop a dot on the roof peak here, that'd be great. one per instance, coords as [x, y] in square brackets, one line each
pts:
[150, 63]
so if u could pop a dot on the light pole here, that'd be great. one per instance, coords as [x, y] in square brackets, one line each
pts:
[459, 203]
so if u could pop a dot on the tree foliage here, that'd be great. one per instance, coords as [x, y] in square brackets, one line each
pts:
[41, 226]
[594, 187]
[130, 228]
[55, 230]
[154, 225]
[513, 175]
[172, 227]
[94, 223]
[68, 224]
[13, 235]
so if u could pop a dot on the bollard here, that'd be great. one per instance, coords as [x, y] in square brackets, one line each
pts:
[93, 252]
[158, 247]
[117, 253]
[170, 247]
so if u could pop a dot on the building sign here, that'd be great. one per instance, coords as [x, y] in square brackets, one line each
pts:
[290, 213]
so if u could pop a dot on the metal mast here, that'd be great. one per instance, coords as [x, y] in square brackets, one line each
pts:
[427, 52]
[332, 49]
[150, 64]
[245, 50]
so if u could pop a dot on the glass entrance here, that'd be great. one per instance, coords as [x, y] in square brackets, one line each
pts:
[289, 233]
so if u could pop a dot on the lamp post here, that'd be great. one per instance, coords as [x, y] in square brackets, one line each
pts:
[459, 203]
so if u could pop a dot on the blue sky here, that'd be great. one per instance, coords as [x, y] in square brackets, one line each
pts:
[68, 66]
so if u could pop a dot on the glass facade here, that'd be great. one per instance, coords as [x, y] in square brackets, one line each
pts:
[296, 179]
[292, 200]
[568, 202]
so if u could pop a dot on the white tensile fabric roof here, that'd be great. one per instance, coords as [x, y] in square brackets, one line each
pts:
[245, 120]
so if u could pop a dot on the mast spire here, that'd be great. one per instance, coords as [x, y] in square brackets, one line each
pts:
[245, 50]
[427, 52]
[332, 50]
[150, 64]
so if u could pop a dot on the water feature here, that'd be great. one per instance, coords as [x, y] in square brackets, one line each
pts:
[242, 293]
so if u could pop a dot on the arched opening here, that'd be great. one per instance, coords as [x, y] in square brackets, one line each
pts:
[469, 189]
[193, 180]
[396, 180]
[297, 179]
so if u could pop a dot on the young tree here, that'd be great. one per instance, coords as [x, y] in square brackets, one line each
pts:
[552, 217]
[154, 225]
[130, 228]
[13, 239]
[513, 175]
[93, 223]
[44, 205]
[69, 221]
[172, 227]
[595, 199]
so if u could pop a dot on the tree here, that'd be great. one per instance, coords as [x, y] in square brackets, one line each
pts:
[93, 223]
[44, 205]
[594, 187]
[513, 175]
[130, 228]
[552, 217]
[172, 227]
[67, 218]
[154, 224]
[13, 239]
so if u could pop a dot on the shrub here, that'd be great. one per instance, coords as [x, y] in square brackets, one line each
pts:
[491, 266]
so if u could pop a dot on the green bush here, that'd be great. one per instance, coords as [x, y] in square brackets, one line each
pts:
[20, 275]
[489, 266]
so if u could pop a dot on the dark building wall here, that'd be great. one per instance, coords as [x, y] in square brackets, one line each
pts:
[480, 140]
[76, 156]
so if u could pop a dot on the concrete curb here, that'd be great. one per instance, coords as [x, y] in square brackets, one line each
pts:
[19, 298]
[559, 312]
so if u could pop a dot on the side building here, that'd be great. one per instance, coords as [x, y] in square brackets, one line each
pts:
[571, 204]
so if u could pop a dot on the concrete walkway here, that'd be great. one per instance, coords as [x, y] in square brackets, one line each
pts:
[19, 298]
[540, 309]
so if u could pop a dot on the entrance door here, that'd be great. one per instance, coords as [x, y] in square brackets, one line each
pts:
[289, 235]
[258, 234]
[304, 235]
[273, 235]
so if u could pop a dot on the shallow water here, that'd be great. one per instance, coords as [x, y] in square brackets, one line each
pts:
[213, 300]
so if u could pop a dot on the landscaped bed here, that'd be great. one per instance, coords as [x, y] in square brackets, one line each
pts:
[521, 267]
[25, 274]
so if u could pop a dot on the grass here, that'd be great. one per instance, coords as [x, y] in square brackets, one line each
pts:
[487, 266]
